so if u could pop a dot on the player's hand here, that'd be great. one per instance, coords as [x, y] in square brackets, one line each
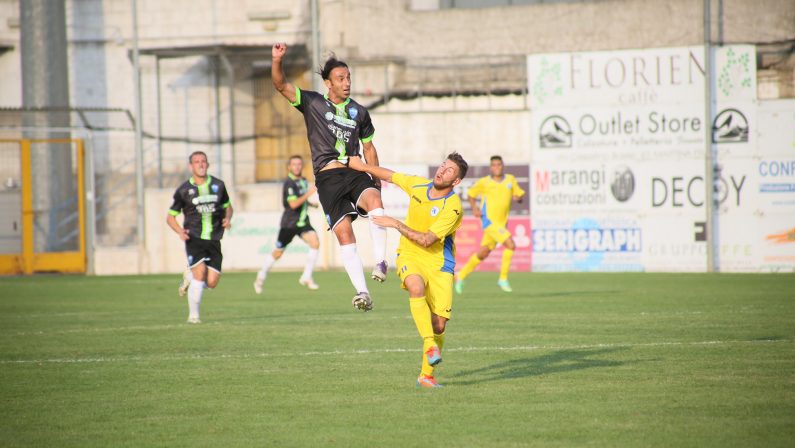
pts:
[517, 198]
[184, 235]
[312, 190]
[384, 221]
[355, 163]
[226, 223]
[278, 50]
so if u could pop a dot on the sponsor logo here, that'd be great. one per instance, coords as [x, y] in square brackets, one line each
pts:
[623, 185]
[730, 126]
[785, 237]
[555, 132]
[678, 191]
[353, 112]
[592, 179]
[777, 169]
[434, 211]
[586, 244]
[586, 236]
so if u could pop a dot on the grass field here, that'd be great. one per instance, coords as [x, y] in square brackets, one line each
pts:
[566, 360]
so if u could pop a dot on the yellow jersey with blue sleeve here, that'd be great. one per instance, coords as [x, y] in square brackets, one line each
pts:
[495, 198]
[442, 216]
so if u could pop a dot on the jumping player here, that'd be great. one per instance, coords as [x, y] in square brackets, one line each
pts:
[335, 124]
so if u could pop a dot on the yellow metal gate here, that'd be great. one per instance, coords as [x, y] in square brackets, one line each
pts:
[42, 222]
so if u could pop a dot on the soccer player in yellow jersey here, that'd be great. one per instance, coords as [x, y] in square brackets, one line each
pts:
[426, 253]
[496, 192]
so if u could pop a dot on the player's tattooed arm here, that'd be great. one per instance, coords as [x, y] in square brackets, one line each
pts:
[424, 239]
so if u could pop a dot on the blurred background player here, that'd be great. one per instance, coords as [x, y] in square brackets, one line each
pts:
[426, 253]
[334, 125]
[295, 221]
[208, 211]
[496, 192]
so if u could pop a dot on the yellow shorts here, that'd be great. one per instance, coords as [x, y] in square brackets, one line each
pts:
[438, 284]
[493, 235]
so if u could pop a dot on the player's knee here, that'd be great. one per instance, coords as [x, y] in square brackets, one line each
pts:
[212, 283]
[483, 253]
[439, 324]
[509, 244]
[277, 254]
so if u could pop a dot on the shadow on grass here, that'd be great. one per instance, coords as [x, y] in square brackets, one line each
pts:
[556, 362]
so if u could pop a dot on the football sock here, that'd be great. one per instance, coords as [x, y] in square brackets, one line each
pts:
[194, 297]
[311, 258]
[266, 266]
[439, 338]
[472, 263]
[378, 235]
[353, 266]
[507, 254]
[422, 319]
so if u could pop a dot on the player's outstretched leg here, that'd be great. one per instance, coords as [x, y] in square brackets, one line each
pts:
[355, 270]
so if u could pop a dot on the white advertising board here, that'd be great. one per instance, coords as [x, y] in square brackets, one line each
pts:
[639, 77]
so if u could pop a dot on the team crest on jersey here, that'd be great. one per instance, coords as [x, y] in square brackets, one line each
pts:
[434, 211]
[191, 191]
[329, 116]
[214, 188]
[508, 185]
[353, 112]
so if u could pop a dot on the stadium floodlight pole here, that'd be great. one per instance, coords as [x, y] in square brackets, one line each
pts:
[139, 150]
[316, 84]
[708, 146]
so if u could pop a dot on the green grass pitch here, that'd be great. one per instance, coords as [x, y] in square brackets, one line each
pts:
[566, 360]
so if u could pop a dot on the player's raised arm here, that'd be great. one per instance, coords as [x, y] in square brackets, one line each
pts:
[277, 73]
[379, 172]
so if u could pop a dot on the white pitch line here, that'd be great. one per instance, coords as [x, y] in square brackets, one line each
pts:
[521, 348]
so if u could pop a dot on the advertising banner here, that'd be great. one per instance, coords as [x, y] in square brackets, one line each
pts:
[469, 235]
[632, 78]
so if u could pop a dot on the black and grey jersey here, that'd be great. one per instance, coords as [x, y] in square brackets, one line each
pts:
[292, 189]
[204, 207]
[334, 130]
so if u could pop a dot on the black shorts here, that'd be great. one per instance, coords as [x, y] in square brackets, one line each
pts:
[286, 234]
[339, 190]
[204, 251]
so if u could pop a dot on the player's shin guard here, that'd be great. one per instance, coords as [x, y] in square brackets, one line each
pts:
[507, 255]
[195, 298]
[353, 266]
[378, 235]
[470, 266]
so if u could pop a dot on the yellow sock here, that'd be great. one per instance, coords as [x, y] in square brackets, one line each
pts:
[427, 369]
[507, 254]
[421, 313]
[439, 338]
[472, 263]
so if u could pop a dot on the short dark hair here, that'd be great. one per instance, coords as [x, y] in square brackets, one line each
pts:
[295, 156]
[493, 158]
[197, 153]
[462, 164]
[330, 65]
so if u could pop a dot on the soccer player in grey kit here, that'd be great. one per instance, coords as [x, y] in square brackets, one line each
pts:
[335, 124]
